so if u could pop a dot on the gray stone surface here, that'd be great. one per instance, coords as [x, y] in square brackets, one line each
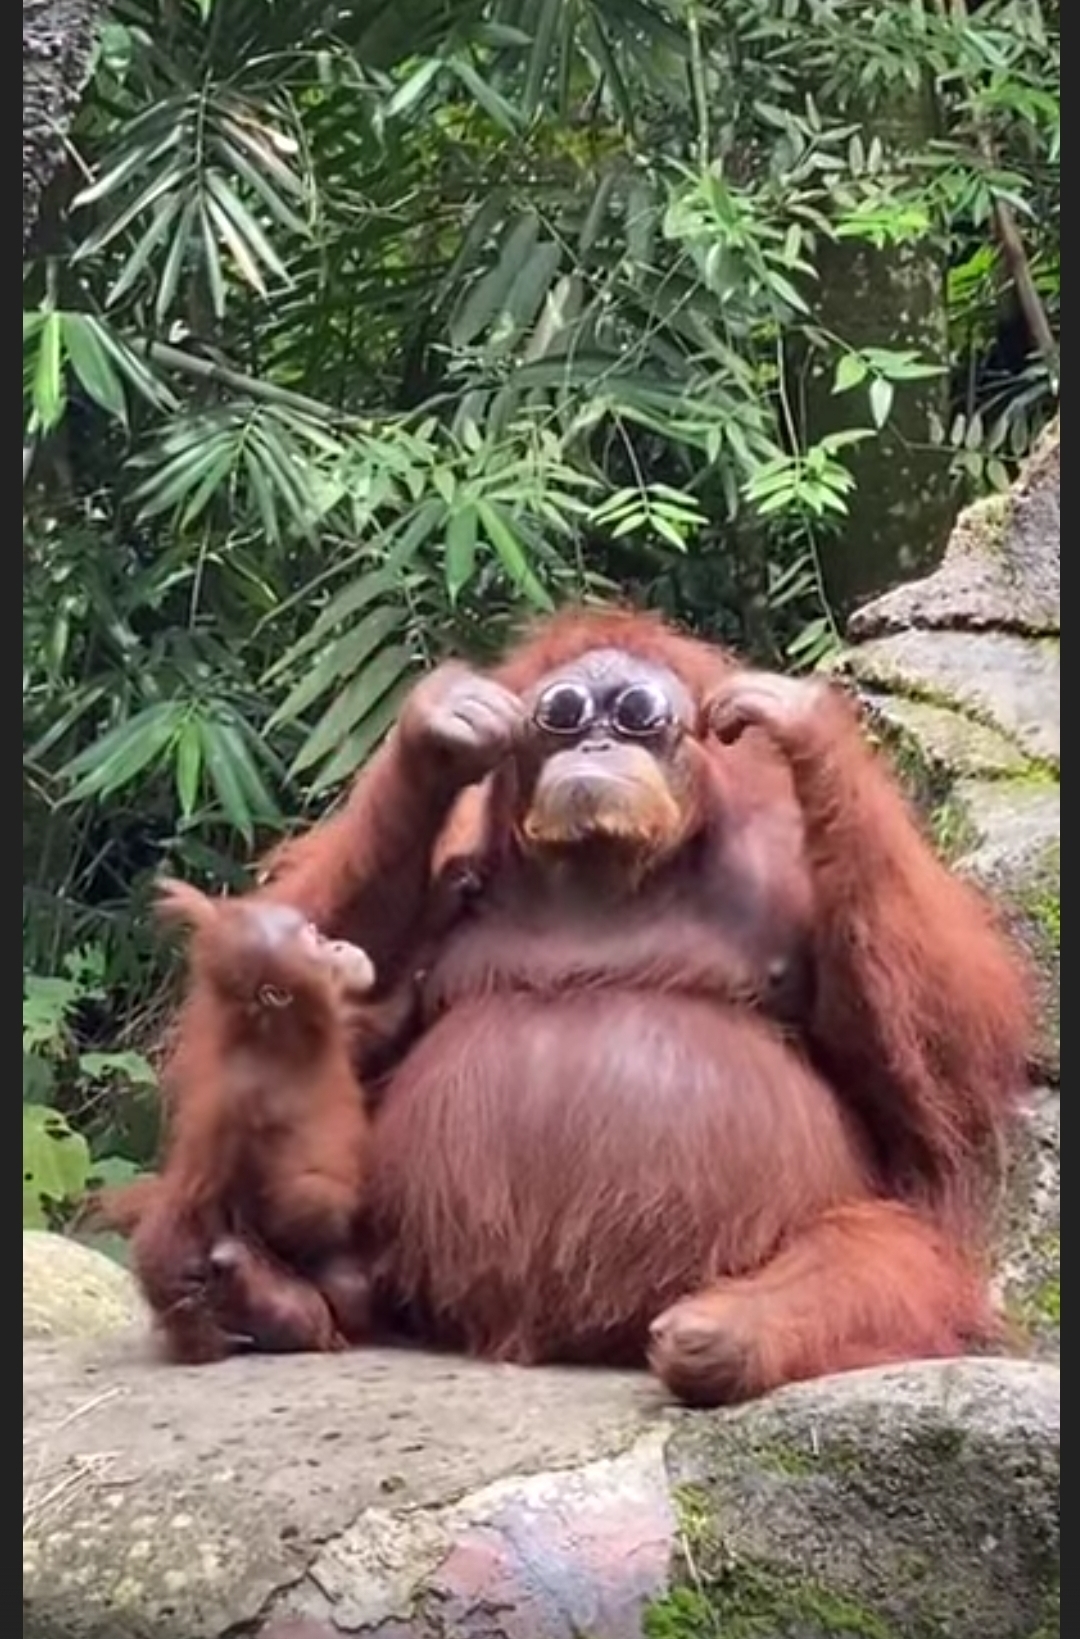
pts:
[945, 742]
[889, 1505]
[1008, 682]
[69, 1290]
[176, 1501]
[1002, 568]
[1028, 1277]
[1015, 854]
[407, 1494]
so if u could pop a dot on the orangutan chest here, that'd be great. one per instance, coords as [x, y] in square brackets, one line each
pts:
[760, 962]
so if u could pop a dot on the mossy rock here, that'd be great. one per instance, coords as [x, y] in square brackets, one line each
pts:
[71, 1291]
[1016, 858]
[1029, 1237]
[1003, 682]
[912, 1503]
[411, 1496]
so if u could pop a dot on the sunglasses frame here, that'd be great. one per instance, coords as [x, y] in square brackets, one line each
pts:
[591, 713]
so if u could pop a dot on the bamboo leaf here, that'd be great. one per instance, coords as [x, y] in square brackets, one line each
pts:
[246, 226]
[124, 753]
[212, 262]
[510, 554]
[350, 707]
[165, 214]
[92, 365]
[460, 561]
[354, 597]
[343, 658]
[488, 295]
[174, 261]
[359, 745]
[228, 788]
[49, 396]
[495, 106]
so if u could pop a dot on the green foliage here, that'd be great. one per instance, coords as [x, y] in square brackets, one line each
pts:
[61, 1082]
[358, 334]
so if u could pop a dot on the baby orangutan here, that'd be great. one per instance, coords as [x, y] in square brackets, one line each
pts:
[254, 1212]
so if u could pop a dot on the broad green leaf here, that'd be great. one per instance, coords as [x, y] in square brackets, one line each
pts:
[282, 213]
[110, 1170]
[545, 17]
[364, 740]
[228, 786]
[215, 279]
[850, 371]
[531, 285]
[596, 218]
[165, 214]
[881, 397]
[138, 159]
[127, 751]
[131, 1067]
[257, 794]
[245, 225]
[56, 1160]
[349, 601]
[495, 106]
[489, 294]
[173, 178]
[215, 471]
[180, 250]
[410, 92]
[135, 371]
[49, 396]
[246, 265]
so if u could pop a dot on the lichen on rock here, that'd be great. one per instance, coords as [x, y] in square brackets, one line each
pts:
[69, 1290]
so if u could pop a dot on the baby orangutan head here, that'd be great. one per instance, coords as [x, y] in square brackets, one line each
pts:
[609, 759]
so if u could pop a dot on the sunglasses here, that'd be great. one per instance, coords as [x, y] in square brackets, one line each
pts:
[637, 711]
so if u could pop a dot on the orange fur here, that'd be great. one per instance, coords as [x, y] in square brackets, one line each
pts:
[746, 1095]
[267, 1141]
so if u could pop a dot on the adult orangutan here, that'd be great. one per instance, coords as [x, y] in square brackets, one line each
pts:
[710, 1048]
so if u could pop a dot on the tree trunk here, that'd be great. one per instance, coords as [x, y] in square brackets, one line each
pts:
[58, 38]
[900, 516]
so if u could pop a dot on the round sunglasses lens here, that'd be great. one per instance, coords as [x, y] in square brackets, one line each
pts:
[641, 709]
[564, 709]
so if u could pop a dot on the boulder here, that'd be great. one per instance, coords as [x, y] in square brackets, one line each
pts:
[69, 1290]
[961, 677]
[400, 1493]
[1002, 566]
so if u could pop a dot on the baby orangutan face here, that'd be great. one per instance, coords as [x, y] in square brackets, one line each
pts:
[609, 757]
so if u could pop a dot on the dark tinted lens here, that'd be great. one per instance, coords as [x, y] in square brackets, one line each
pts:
[565, 708]
[641, 709]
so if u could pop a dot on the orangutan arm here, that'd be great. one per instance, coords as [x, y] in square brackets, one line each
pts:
[921, 1008]
[365, 874]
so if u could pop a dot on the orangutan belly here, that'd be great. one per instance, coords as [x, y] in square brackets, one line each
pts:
[547, 1175]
